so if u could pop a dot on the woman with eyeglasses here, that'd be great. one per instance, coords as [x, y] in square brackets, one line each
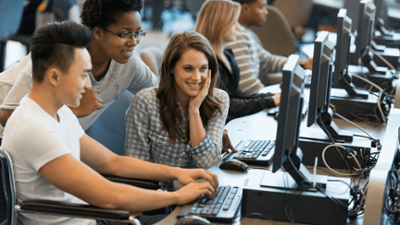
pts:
[180, 123]
[116, 26]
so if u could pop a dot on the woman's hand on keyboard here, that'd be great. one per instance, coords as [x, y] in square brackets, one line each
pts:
[192, 191]
[226, 143]
[186, 176]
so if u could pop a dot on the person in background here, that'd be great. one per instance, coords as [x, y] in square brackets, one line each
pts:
[223, 15]
[116, 28]
[181, 122]
[53, 157]
[249, 54]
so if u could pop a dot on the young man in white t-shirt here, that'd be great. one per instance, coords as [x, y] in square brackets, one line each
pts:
[53, 157]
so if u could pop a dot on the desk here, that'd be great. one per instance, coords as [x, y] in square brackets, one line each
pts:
[261, 126]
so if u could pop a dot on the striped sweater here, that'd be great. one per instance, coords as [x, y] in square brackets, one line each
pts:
[253, 58]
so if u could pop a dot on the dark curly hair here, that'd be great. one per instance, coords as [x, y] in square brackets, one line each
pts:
[102, 13]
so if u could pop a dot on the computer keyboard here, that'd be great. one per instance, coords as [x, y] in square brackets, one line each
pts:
[254, 152]
[222, 208]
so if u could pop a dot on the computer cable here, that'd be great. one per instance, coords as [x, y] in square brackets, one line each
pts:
[374, 141]
[288, 210]
[333, 142]
[392, 203]
[358, 197]
[367, 81]
[386, 62]
[380, 99]
[364, 161]
[337, 172]
[334, 200]
[369, 115]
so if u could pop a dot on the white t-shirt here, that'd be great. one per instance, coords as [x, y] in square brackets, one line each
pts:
[7, 80]
[34, 138]
[133, 76]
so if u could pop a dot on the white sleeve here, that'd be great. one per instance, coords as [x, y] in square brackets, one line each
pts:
[38, 144]
[21, 87]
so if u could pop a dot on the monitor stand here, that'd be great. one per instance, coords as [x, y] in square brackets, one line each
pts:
[389, 54]
[386, 81]
[374, 61]
[351, 108]
[313, 141]
[388, 40]
[308, 207]
[383, 36]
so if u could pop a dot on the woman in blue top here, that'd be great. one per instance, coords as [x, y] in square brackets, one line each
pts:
[223, 16]
[181, 122]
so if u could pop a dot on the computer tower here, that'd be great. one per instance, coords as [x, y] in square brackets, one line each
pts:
[309, 207]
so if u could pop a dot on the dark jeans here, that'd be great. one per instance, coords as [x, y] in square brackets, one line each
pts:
[145, 220]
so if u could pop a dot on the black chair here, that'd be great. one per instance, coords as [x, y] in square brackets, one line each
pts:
[13, 206]
[10, 17]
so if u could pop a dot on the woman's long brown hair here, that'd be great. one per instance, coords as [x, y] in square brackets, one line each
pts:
[170, 116]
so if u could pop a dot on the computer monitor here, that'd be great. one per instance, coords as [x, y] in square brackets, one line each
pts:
[288, 155]
[365, 30]
[381, 10]
[319, 102]
[341, 77]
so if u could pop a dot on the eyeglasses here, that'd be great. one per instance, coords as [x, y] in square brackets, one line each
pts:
[125, 36]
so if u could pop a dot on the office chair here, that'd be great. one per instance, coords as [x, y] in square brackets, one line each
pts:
[109, 128]
[152, 57]
[10, 17]
[275, 34]
[296, 12]
[56, 208]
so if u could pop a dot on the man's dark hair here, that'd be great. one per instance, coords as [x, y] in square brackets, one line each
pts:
[248, 2]
[102, 13]
[54, 44]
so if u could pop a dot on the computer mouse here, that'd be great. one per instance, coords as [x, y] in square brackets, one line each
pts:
[233, 164]
[192, 220]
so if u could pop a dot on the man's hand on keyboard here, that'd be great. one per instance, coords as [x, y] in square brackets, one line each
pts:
[193, 191]
[226, 143]
[186, 176]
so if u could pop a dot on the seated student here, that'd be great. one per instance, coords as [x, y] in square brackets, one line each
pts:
[116, 26]
[251, 56]
[223, 15]
[181, 122]
[53, 157]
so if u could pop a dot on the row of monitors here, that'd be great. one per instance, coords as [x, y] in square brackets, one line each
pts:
[329, 68]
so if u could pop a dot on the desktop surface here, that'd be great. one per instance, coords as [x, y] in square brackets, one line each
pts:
[261, 126]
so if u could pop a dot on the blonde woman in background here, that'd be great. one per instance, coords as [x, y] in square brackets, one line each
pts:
[218, 22]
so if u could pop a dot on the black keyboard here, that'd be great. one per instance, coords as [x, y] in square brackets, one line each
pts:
[254, 152]
[222, 208]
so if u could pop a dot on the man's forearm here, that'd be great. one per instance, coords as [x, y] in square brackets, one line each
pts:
[129, 167]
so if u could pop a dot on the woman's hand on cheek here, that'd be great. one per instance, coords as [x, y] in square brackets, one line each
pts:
[196, 101]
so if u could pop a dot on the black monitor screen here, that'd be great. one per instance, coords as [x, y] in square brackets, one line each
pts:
[343, 46]
[321, 77]
[365, 28]
[290, 111]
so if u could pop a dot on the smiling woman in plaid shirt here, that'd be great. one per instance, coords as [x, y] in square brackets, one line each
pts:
[181, 122]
